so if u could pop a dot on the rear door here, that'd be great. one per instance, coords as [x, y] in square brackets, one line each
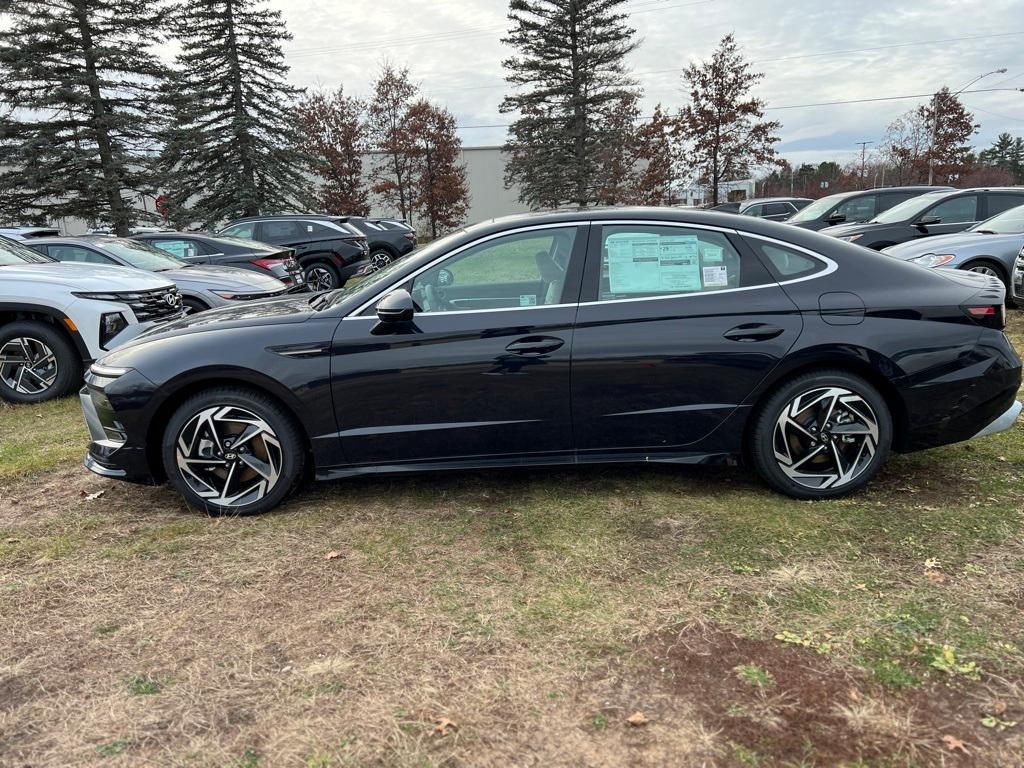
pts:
[997, 202]
[677, 325]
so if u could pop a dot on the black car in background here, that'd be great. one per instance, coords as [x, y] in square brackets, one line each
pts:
[852, 207]
[933, 213]
[388, 239]
[596, 336]
[201, 248]
[329, 249]
[773, 208]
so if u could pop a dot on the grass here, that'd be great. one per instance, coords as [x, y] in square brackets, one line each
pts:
[536, 610]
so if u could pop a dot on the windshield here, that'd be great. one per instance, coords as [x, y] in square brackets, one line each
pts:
[908, 210]
[1009, 222]
[380, 277]
[14, 254]
[816, 209]
[141, 255]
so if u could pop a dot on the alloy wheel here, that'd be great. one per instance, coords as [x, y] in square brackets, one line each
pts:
[319, 278]
[982, 269]
[27, 365]
[229, 456]
[826, 437]
[380, 259]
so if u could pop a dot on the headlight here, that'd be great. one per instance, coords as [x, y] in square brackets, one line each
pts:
[107, 371]
[934, 259]
[111, 324]
[851, 238]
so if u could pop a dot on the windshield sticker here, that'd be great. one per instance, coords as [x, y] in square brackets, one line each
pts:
[527, 300]
[651, 264]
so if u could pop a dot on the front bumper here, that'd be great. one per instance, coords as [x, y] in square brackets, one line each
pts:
[109, 454]
[1002, 422]
[1017, 279]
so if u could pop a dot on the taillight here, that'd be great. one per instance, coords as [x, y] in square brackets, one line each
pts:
[267, 263]
[410, 236]
[988, 315]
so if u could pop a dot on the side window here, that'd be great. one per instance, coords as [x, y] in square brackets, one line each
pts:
[754, 210]
[281, 231]
[777, 209]
[787, 263]
[75, 253]
[643, 260]
[889, 199]
[179, 248]
[1000, 203]
[859, 208]
[956, 211]
[241, 230]
[526, 269]
[319, 230]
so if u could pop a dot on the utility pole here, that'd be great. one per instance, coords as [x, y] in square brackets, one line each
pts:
[863, 160]
[935, 119]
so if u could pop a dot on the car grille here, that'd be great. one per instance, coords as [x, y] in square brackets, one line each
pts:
[1018, 276]
[160, 304]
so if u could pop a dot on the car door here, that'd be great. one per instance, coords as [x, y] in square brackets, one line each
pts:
[997, 202]
[483, 367]
[955, 214]
[677, 325]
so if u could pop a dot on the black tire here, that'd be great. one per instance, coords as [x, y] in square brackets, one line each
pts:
[970, 266]
[193, 306]
[380, 257]
[763, 436]
[66, 358]
[282, 426]
[321, 276]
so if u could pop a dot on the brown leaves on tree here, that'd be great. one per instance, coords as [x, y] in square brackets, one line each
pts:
[335, 141]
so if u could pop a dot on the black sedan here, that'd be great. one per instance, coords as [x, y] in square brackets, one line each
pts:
[933, 213]
[621, 335]
[202, 248]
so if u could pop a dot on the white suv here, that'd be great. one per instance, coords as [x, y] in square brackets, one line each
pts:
[56, 317]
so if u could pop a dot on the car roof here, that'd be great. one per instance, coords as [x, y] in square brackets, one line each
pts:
[288, 217]
[753, 200]
[91, 239]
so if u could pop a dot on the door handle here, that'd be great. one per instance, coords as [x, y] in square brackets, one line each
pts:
[753, 332]
[535, 345]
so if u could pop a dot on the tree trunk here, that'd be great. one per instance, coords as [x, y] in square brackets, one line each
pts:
[238, 107]
[111, 177]
[579, 116]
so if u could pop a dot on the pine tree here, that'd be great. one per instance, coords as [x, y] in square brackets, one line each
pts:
[388, 121]
[78, 79]
[570, 60]
[723, 124]
[335, 142]
[1006, 153]
[441, 194]
[231, 146]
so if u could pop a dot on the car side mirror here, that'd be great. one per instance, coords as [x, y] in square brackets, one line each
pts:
[927, 221]
[836, 218]
[396, 307]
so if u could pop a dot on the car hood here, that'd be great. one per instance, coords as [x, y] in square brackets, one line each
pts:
[230, 278]
[86, 277]
[961, 243]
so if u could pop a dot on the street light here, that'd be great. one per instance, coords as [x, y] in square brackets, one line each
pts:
[935, 119]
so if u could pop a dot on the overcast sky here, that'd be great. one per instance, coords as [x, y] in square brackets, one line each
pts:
[453, 49]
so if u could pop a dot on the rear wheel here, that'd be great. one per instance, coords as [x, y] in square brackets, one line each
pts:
[824, 434]
[37, 363]
[321, 276]
[380, 258]
[232, 451]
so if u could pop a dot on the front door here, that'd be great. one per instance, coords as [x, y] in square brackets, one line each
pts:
[677, 325]
[482, 369]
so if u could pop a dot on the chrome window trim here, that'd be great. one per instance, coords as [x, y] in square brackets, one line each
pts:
[830, 267]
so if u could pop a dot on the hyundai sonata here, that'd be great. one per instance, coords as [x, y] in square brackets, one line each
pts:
[621, 335]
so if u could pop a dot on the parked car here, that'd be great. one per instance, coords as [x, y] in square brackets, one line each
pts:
[224, 251]
[617, 335]
[733, 207]
[27, 233]
[990, 248]
[201, 287]
[933, 213]
[773, 208]
[854, 207]
[329, 250]
[388, 240]
[55, 318]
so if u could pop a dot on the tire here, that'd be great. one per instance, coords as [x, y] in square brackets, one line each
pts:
[786, 441]
[321, 276]
[32, 340]
[193, 306]
[985, 267]
[381, 257]
[223, 481]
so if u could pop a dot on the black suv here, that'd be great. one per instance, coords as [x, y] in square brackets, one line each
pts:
[389, 239]
[329, 250]
[850, 207]
[934, 213]
[202, 248]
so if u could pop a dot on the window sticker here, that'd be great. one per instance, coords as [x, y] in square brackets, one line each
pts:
[711, 254]
[174, 247]
[643, 263]
[527, 300]
[716, 277]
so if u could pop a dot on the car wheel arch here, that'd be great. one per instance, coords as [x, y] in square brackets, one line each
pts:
[179, 394]
[987, 261]
[56, 318]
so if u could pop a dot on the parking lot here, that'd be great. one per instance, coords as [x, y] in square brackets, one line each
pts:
[509, 617]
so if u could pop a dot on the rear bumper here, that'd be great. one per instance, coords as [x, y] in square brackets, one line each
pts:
[1003, 422]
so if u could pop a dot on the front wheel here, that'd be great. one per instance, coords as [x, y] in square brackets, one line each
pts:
[823, 435]
[232, 451]
[37, 363]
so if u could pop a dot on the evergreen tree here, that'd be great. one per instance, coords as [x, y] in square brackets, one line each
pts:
[1006, 153]
[951, 127]
[231, 148]
[570, 61]
[335, 142]
[723, 124]
[78, 79]
[441, 192]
